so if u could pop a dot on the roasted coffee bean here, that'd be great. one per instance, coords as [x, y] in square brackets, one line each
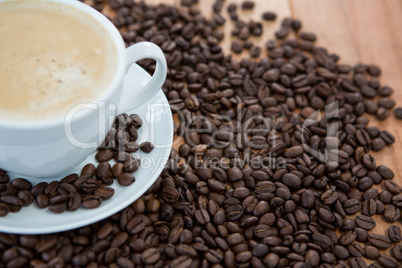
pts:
[352, 206]
[374, 70]
[371, 107]
[308, 36]
[340, 252]
[262, 231]
[371, 252]
[4, 209]
[292, 181]
[150, 256]
[4, 178]
[392, 187]
[117, 169]
[122, 157]
[131, 147]
[21, 184]
[293, 151]
[386, 102]
[282, 32]
[394, 233]
[271, 260]
[356, 250]
[368, 92]
[146, 147]
[234, 174]
[382, 113]
[260, 250]
[244, 257]
[20, 261]
[385, 91]
[11, 200]
[58, 207]
[74, 201]
[268, 16]
[236, 46]
[184, 150]
[39, 188]
[104, 192]
[26, 196]
[312, 257]
[213, 256]
[182, 262]
[45, 244]
[387, 261]
[326, 215]
[42, 201]
[136, 120]
[126, 179]
[362, 235]
[380, 207]
[66, 188]
[323, 241]
[358, 263]
[202, 216]
[398, 112]
[296, 24]
[104, 155]
[369, 207]
[247, 4]
[124, 262]
[385, 196]
[348, 224]
[255, 51]
[379, 241]
[131, 165]
[397, 200]
[347, 238]
[91, 201]
[234, 212]
[397, 252]
[307, 199]
[371, 193]
[59, 199]
[365, 222]
[392, 213]
[385, 172]
[387, 137]
[329, 196]
[169, 194]
[133, 132]
[373, 132]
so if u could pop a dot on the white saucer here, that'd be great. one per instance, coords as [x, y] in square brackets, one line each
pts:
[157, 128]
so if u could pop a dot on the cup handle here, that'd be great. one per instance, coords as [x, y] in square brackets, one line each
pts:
[140, 51]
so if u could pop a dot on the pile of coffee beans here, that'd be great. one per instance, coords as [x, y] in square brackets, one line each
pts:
[88, 189]
[262, 179]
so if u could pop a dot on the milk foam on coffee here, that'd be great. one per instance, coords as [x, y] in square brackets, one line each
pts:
[52, 57]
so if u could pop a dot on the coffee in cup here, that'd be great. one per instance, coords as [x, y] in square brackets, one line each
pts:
[52, 57]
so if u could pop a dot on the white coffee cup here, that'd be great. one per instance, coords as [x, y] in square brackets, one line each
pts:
[45, 148]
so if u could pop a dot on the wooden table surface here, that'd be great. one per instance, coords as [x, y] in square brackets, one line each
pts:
[367, 31]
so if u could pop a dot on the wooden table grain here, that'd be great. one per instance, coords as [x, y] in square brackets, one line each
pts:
[366, 31]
